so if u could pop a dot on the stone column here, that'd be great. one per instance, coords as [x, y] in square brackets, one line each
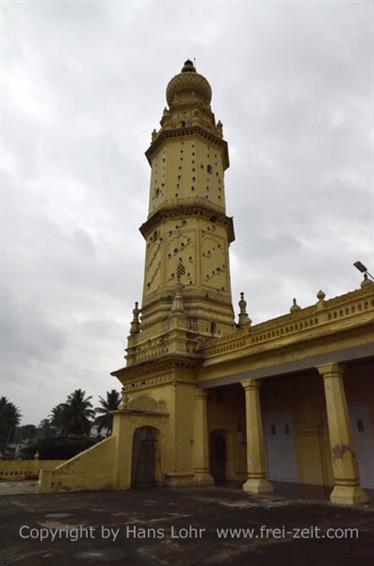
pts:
[347, 490]
[201, 440]
[256, 464]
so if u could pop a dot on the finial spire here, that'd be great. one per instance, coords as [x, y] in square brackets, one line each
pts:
[188, 67]
[135, 324]
[295, 307]
[244, 319]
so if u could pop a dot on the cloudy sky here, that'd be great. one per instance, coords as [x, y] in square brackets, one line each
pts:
[84, 87]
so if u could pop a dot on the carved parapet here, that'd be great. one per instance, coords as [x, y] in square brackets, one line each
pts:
[146, 404]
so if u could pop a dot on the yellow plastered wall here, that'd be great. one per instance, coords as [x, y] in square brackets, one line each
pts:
[176, 440]
[185, 170]
[91, 469]
[25, 469]
[359, 386]
[226, 413]
[303, 397]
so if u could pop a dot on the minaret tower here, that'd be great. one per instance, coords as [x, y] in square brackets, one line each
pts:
[187, 231]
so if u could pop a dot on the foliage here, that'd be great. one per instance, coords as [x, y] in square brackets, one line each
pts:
[10, 417]
[57, 447]
[25, 433]
[74, 417]
[105, 420]
[45, 429]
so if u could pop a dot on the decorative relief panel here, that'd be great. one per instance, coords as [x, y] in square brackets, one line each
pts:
[214, 262]
[180, 250]
[146, 403]
[153, 266]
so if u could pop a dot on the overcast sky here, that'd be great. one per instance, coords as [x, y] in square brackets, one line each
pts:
[84, 87]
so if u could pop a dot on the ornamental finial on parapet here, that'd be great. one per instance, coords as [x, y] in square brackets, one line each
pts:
[366, 282]
[295, 307]
[244, 319]
[135, 324]
[321, 299]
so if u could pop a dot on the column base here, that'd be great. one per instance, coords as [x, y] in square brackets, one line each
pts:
[179, 479]
[259, 485]
[203, 478]
[348, 495]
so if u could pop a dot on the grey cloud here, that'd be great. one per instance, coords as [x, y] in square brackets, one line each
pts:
[85, 88]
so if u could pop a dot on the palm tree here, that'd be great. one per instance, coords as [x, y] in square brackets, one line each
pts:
[10, 417]
[46, 427]
[74, 417]
[111, 403]
[57, 418]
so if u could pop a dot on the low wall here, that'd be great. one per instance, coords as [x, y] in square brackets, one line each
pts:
[88, 470]
[13, 470]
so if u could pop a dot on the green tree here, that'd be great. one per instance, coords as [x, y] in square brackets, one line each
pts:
[10, 418]
[105, 419]
[25, 433]
[45, 428]
[75, 416]
[58, 418]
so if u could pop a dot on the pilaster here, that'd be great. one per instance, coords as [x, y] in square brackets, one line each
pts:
[201, 440]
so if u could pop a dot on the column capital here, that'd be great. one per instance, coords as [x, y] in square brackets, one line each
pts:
[201, 394]
[251, 383]
[331, 369]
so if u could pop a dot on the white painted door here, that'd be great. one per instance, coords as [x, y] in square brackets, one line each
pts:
[363, 438]
[281, 455]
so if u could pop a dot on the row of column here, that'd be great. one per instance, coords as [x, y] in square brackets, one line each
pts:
[346, 489]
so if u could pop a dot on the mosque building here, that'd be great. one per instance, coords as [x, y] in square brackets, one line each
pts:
[211, 400]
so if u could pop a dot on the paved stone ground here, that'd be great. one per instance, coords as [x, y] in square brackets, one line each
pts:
[166, 512]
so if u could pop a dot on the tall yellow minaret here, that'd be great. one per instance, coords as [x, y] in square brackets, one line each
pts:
[187, 232]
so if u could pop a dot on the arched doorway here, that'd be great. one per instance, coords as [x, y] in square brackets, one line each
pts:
[145, 457]
[218, 455]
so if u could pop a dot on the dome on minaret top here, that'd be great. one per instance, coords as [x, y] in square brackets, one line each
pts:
[187, 82]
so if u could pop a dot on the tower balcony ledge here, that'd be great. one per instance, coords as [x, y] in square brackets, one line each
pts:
[182, 210]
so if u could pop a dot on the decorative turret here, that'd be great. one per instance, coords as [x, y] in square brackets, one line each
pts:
[135, 324]
[244, 320]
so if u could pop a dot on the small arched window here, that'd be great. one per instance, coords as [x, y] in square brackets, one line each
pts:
[209, 168]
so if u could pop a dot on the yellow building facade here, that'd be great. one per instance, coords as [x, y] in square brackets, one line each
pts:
[205, 399]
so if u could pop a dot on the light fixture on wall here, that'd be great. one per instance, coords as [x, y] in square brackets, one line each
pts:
[361, 267]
